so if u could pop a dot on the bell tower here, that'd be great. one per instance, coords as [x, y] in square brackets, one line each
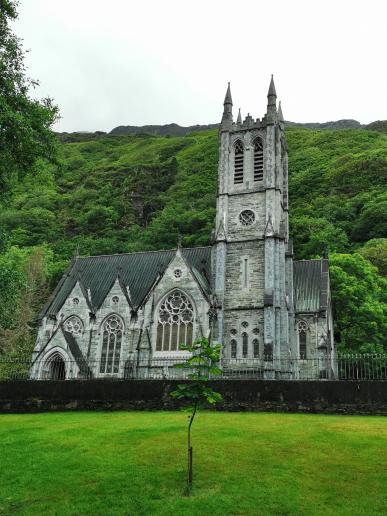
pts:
[252, 259]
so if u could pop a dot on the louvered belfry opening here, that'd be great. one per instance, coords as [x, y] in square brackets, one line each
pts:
[258, 159]
[238, 162]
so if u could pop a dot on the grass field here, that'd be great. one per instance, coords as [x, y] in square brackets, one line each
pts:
[244, 463]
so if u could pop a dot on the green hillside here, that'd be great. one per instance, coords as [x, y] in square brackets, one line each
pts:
[114, 194]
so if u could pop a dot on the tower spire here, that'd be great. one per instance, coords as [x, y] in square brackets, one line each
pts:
[271, 101]
[272, 93]
[280, 115]
[227, 109]
[239, 119]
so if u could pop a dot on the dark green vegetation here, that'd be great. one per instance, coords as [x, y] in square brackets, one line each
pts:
[25, 135]
[134, 463]
[117, 194]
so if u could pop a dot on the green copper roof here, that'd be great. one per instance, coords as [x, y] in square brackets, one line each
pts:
[138, 271]
[308, 285]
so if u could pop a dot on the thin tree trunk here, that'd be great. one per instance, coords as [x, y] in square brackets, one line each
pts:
[189, 479]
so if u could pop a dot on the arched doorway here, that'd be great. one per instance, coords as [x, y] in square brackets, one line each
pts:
[57, 368]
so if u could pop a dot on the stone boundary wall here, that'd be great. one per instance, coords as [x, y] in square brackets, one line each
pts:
[330, 397]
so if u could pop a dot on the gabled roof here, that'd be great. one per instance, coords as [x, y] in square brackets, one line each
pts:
[310, 285]
[139, 271]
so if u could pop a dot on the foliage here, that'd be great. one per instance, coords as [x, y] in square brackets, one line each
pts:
[25, 123]
[23, 285]
[375, 251]
[360, 304]
[201, 365]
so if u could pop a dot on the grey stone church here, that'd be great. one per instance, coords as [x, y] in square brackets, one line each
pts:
[126, 314]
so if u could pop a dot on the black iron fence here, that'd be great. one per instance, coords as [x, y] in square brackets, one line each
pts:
[341, 367]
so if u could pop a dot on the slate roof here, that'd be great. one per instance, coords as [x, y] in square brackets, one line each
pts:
[139, 271]
[310, 280]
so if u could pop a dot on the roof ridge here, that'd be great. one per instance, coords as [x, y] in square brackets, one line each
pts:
[144, 252]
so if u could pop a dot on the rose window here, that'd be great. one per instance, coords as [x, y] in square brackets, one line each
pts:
[73, 325]
[177, 273]
[175, 322]
[247, 217]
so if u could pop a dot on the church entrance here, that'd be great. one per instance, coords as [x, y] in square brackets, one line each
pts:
[57, 369]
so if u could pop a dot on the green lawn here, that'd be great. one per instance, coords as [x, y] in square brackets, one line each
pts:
[244, 463]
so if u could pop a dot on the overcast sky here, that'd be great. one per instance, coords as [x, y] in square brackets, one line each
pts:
[126, 62]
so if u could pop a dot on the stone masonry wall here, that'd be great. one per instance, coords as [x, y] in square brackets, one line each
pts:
[331, 397]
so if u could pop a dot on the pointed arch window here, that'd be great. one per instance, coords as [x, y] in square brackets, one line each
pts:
[258, 159]
[245, 345]
[174, 322]
[238, 162]
[302, 329]
[112, 332]
[233, 348]
[256, 348]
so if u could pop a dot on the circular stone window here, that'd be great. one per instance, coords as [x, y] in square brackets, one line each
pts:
[233, 331]
[247, 217]
[245, 324]
[75, 301]
[115, 299]
[177, 273]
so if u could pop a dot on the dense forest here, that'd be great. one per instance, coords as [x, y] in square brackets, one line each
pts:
[103, 194]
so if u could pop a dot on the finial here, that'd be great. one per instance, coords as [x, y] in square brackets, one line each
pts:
[271, 114]
[280, 115]
[76, 252]
[227, 98]
[227, 111]
[239, 119]
[179, 240]
[272, 88]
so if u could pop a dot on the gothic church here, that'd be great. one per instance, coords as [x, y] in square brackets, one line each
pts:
[126, 315]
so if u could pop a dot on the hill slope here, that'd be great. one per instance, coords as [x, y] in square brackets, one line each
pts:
[130, 192]
[139, 192]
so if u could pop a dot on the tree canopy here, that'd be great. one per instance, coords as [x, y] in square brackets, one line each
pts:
[25, 123]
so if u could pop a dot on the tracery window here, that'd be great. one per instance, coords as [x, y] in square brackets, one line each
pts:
[247, 217]
[245, 344]
[258, 159]
[302, 329]
[175, 322]
[112, 333]
[73, 325]
[238, 162]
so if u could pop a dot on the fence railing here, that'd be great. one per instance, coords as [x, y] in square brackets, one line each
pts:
[342, 367]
